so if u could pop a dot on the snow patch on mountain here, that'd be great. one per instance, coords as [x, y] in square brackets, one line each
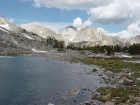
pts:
[28, 37]
[5, 26]
[3, 30]
[38, 51]
[3, 23]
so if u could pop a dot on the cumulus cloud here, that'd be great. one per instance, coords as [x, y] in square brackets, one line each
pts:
[118, 12]
[123, 34]
[132, 30]
[87, 23]
[100, 11]
[102, 29]
[103, 12]
[71, 4]
[77, 22]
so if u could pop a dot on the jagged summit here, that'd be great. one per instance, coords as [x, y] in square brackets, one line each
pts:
[90, 34]
[69, 33]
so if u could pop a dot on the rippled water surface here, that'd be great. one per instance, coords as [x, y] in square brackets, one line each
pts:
[37, 81]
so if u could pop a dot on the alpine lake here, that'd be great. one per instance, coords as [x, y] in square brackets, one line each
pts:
[38, 81]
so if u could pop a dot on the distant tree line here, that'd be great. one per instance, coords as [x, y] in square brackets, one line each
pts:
[133, 49]
[55, 43]
[25, 31]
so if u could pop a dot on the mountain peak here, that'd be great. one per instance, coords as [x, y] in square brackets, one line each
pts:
[72, 27]
[32, 24]
[38, 29]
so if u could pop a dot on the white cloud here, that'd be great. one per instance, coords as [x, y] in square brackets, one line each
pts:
[123, 34]
[79, 24]
[100, 11]
[102, 29]
[132, 30]
[103, 12]
[87, 23]
[118, 12]
[70, 4]
[11, 20]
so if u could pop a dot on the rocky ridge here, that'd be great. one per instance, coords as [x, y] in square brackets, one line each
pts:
[90, 37]
[42, 31]
[85, 36]
[14, 38]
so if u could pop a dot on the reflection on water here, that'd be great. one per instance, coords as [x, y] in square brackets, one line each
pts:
[36, 81]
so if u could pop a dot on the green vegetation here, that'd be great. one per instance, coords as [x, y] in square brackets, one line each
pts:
[118, 95]
[33, 33]
[113, 64]
[24, 31]
[55, 43]
[133, 49]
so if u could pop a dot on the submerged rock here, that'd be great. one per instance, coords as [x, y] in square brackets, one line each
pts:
[109, 103]
[74, 92]
[84, 88]
[100, 74]
[50, 104]
[87, 103]
[70, 94]
[64, 97]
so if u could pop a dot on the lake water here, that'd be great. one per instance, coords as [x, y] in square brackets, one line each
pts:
[137, 61]
[37, 81]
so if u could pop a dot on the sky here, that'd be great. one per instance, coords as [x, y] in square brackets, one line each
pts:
[114, 17]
